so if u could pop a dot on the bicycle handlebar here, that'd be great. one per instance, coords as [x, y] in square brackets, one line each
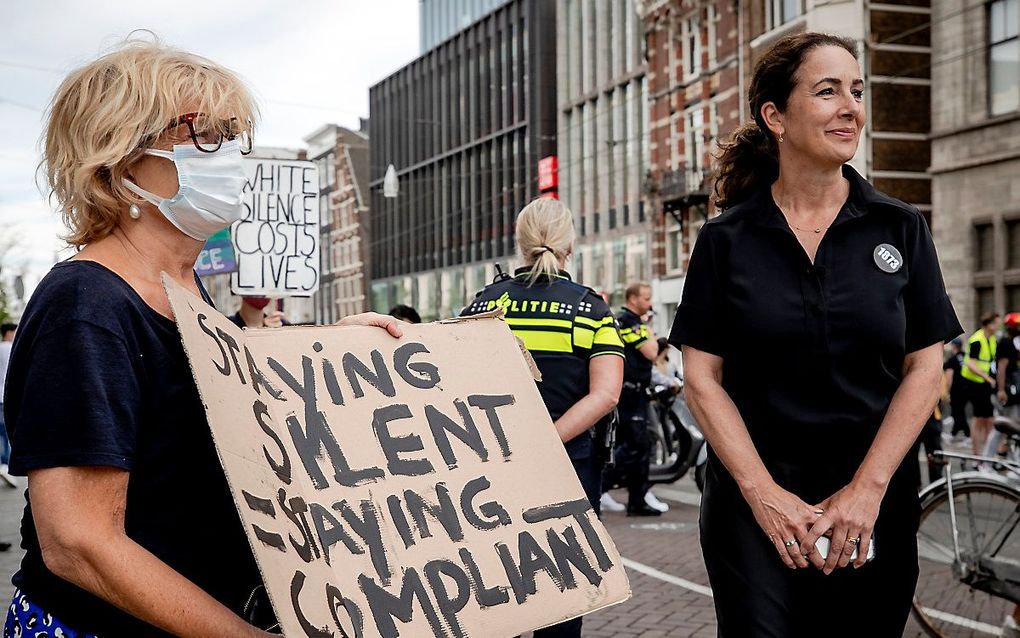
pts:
[1013, 465]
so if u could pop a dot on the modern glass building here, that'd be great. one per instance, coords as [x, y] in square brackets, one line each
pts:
[440, 19]
[464, 125]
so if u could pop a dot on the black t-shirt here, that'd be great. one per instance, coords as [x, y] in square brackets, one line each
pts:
[563, 325]
[1007, 348]
[955, 363]
[634, 332]
[98, 378]
[814, 351]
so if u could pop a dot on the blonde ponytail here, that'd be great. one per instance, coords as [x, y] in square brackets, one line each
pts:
[545, 235]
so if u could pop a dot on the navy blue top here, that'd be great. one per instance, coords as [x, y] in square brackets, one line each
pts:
[637, 368]
[98, 378]
[563, 325]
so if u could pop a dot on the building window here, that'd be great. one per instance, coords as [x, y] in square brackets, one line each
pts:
[985, 248]
[779, 12]
[320, 164]
[1003, 56]
[692, 46]
[695, 143]
[1012, 298]
[674, 244]
[713, 17]
[985, 300]
[331, 169]
[1013, 244]
[325, 218]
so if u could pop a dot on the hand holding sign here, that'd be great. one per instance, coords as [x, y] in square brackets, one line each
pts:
[399, 487]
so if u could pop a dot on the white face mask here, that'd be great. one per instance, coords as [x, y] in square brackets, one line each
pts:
[209, 197]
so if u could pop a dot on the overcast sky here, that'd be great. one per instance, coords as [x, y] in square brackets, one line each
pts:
[310, 62]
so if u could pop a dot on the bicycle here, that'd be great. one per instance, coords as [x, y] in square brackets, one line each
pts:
[969, 546]
[677, 444]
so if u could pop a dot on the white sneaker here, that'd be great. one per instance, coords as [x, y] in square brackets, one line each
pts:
[653, 502]
[7, 478]
[610, 504]
[1010, 629]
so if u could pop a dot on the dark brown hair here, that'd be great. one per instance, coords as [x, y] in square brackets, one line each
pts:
[749, 160]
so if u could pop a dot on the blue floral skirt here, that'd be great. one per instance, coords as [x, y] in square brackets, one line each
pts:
[26, 620]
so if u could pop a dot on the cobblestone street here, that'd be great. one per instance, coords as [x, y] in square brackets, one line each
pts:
[662, 555]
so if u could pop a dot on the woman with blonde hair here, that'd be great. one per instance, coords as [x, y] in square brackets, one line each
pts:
[129, 526]
[571, 334]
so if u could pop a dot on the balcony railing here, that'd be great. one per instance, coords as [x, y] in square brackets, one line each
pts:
[683, 186]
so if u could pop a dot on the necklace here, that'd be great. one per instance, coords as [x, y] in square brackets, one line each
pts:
[809, 230]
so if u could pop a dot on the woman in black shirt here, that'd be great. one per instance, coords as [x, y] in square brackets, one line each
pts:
[812, 325]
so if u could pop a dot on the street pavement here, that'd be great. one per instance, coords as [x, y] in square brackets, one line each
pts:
[662, 556]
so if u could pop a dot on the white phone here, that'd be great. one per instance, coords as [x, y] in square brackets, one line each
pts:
[822, 545]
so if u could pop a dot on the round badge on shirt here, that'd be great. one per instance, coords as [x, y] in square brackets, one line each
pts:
[887, 258]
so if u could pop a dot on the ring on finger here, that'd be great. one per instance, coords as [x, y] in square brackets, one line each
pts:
[790, 543]
[853, 540]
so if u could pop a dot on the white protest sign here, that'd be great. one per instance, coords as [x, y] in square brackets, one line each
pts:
[277, 242]
[398, 487]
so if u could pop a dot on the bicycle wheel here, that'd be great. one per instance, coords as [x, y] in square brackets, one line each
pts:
[987, 516]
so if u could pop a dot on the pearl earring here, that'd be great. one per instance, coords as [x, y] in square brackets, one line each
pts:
[134, 211]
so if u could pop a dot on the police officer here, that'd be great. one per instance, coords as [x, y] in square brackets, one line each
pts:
[978, 376]
[571, 334]
[640, 348]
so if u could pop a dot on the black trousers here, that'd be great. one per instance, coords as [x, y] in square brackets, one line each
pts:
[757, 596]
[589, 472]
[633, 446]
[958, 408]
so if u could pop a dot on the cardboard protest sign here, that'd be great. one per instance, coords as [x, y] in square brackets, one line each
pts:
[277, 243]
[217, 255]
[398, 487]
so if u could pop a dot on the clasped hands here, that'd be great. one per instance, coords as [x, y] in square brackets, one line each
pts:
[847, 518]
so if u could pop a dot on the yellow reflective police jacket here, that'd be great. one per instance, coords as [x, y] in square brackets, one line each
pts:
[985, 358]
[563, 325]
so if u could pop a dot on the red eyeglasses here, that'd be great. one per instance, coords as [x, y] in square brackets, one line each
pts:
[208, 135]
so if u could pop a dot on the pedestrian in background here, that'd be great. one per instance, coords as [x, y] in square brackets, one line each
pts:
[407, 314]
[1007, 383]
[641, 349]
[252, 314]
[570, 333]
[129, 527]
[7, 332]
[954, 390]
[977, 375]
[812, 323]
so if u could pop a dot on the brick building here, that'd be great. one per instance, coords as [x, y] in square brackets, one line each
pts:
[343, 159]
[696, 54]
[700, 57]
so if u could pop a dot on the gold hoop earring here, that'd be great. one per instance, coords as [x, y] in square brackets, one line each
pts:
[780, 137]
